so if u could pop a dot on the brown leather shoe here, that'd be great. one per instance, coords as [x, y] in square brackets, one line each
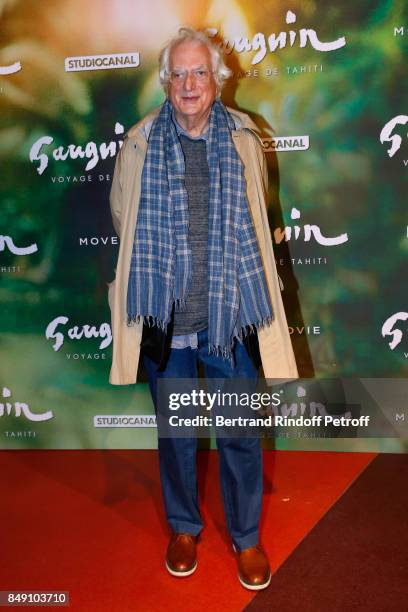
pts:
[254, 572]
[181, 553]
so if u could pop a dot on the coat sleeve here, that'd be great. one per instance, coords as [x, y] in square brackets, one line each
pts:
[115, 198]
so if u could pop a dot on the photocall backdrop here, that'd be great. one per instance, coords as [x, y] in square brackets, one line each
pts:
[326, 82]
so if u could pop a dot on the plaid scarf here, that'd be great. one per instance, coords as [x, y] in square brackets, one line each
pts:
[161, 263]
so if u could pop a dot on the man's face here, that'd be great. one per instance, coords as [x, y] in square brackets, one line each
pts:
[190, 96]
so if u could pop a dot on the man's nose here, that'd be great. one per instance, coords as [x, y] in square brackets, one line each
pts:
[189, 81]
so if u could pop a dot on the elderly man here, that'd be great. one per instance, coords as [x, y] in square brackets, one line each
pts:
[196, 282]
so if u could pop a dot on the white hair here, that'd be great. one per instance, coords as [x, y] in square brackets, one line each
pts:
[221, 71]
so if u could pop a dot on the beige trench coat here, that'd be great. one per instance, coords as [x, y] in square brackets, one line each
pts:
[275, 346]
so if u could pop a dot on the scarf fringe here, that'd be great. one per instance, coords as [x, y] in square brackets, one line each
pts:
[147, 320]
[251, 328]
[226, 352]
[220, 351]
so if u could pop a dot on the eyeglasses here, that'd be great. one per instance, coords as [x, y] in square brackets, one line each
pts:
[201, 75]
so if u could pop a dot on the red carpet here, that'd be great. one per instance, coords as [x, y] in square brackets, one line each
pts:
[91, 523]
[355, 558]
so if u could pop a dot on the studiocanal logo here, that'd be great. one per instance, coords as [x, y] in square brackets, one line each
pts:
[19, 409]
[392, 328]
[286, 143]
[102, 62]
[124, 420]
[56, 330]
[40, 152]
[388, 135]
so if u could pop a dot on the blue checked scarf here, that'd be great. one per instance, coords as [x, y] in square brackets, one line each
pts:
[161, 263]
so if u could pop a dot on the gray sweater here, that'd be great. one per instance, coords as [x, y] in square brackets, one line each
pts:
[195, 317]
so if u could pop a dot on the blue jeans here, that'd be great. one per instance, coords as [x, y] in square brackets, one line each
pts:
[240, 458]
